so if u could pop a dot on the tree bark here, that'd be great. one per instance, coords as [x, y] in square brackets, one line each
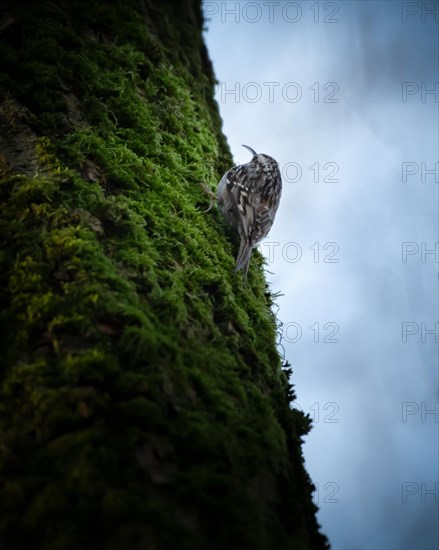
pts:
[142, 400]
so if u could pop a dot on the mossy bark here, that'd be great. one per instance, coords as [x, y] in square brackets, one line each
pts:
[142, 400]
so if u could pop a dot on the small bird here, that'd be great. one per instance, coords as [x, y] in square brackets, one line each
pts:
[248, 196]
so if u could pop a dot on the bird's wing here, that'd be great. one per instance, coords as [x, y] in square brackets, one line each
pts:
[265, 205]
[253, 200]
[264, 218]
[239, 188]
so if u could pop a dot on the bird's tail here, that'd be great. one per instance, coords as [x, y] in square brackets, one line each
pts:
[243, 259]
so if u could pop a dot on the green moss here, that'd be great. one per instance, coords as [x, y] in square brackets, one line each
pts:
[142, 401]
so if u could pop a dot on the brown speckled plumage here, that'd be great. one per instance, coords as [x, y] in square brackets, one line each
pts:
[248, 197]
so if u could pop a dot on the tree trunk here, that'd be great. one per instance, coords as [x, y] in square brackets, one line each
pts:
[142, 400]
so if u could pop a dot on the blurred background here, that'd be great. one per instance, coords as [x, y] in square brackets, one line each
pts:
[345, 95]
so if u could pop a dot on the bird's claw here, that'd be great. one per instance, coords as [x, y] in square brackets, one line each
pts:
[210, 194]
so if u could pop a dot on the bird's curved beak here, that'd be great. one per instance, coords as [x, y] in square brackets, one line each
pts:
[252, 151]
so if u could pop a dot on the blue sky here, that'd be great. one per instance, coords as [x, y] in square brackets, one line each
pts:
[345, 95]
